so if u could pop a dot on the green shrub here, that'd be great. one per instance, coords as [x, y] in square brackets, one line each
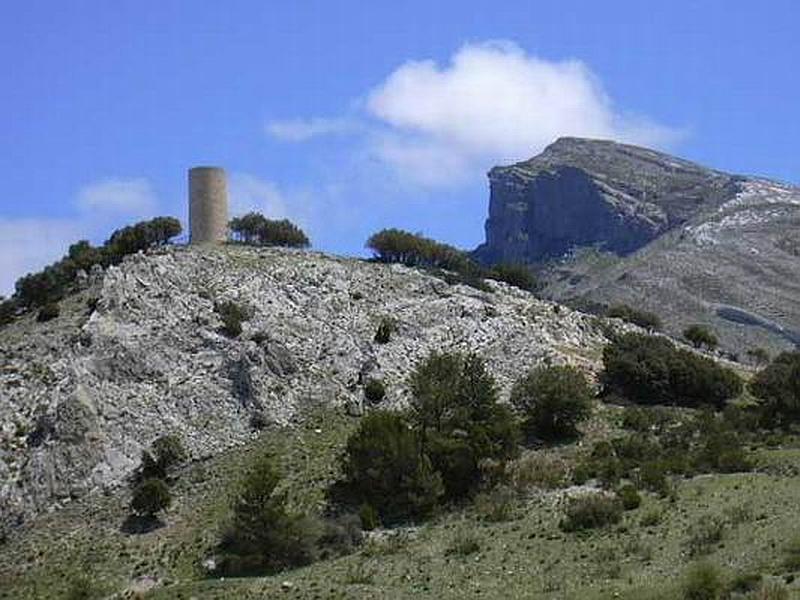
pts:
[630, 498]
[552, 401]
[704, 534]
[253, 228]
[374, 391]
[454, 408]
[48, 312]
[651, 370]
[384, 468]
[700, 335]
[386, 328]
[538, 470]
[778, 388]
[165, 454]
[496, 505]
[232, 316]
[150, 497]
[8, 310]
[703, 581]
[514, 274]
[263, 535]
[758, 355]
[591, 511]
[642, 318]
[370, 519]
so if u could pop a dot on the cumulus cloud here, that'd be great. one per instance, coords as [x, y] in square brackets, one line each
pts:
[300, 130]
[491, 103]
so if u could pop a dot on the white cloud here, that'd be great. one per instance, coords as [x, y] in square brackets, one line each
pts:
[118, 196]
[249, 193]
[301, 130]
[493, 103]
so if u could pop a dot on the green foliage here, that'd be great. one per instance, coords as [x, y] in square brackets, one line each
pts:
[496, 505]
[514, 274]
[255, 229]
[48, 312]
[414, 250]
[370, 519]
[386, 328]
[455, 410]
[164, 455]
[552, 401]
[150, 497]
[56, 280]
[384, 468]
[778, 388]
[264, 536]
[232, 316]
[651, 370]
[591, 511]
[642, 318]
[700, 335]
[703, 581]
[630, 498]
[374, 391]
[791, 554]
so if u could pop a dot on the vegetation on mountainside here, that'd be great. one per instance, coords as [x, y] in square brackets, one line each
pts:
[642, 318]
[701, 336]
[415, 250]
[256, 230]
[778, 388]
[652, 370]
[552, 401]
[45, 288]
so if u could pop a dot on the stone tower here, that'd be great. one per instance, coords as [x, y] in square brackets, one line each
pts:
[208, 205]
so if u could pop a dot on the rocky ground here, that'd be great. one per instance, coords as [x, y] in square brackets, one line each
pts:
[139, 353]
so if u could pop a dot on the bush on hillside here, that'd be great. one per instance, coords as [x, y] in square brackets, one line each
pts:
[264, 536]
[255, 229]
[48, 312]
[386, 328]
[778, 388]
[642, 318]
[232, 316]
[590, 511]
[374, 391]
[414, 250]
[703, 581]
[54, 281]
[514, 274]
[552, 401]
[460, 422]
[150, 497]
[159, 461]
[700, 336]
[384, 468]
[651, 370]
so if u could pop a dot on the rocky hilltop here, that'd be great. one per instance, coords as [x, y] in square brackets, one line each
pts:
[139, 353]
[689, 243]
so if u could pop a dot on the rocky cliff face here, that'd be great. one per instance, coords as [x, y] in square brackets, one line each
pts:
[582, 192]
[140, 354]
[667, 235]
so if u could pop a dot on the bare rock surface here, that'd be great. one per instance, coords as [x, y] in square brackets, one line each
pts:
[81, 396]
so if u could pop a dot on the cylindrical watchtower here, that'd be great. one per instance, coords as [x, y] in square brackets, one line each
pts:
[208, 205]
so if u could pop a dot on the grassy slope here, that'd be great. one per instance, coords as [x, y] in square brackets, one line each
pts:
[526, 557]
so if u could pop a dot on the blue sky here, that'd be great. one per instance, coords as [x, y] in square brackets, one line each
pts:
[350, 116]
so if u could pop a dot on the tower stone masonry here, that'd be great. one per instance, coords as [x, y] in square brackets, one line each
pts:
[208, 205]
